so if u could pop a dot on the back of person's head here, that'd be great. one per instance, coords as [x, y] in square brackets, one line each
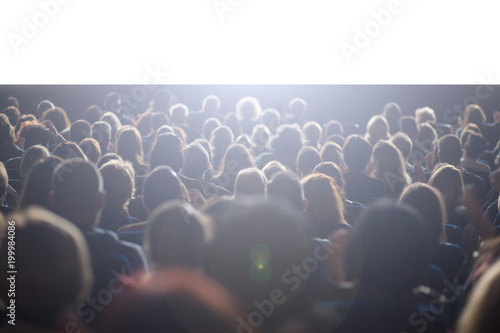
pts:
[158, 120]
[92, 114]
[210, 105]
[425, 115]
[162, 100]
[196, 161]
[331, 152]
[403, 142]
[118, 182]
[181, 134]
[272, 119]
[112, 102]
[324, 205]
[25, 118]
[250, 182]
[408, 125]
[6, 131]
[58, 117]
[426, 137]
[469, 128]
[9, 101]
[162, 185]
[38, 184]
[179, 113]
[474, 114]
[4, 181]
[144, 123]
[287, 141]
[108, 157]
[333, 127]
[272, 168]
[260, 136]
[296, 109]
[231, 120]
[44, 106]
[129, 145]
[36, 135]
[164, 129]
[392, 112]
[475, 146]
[312, 132]
[101, 132]
[32, 156]
[67, 150]
[208, 127]
[449, 149]
[13, 114]
[448, 180]
[113, 121]
[248, 108]
[54, 259]
[332, 170]
[286, 186]
[91, 149]
[237, 158]
[388, 249]
[377, 129]
[244, 140]
[429, 202]
[357, 152]
[481, 312]
[178, 235]
[77, 192]
[79, 130]
[388, 164]
[222, 137]
[307, 159]
[205, 144]
[167, 150]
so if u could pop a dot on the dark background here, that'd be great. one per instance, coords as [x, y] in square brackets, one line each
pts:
[354, 103]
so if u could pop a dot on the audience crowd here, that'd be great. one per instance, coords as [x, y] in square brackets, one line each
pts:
[181, 220]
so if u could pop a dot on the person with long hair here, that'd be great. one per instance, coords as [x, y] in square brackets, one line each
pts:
[237, 158]
[129, 147]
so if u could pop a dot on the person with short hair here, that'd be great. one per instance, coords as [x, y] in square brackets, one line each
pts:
[377, 129]
[13, 114]
[179, 115]
[307, 159]
[474, 147]
[79, 130]
[250, 182]
[286, 187]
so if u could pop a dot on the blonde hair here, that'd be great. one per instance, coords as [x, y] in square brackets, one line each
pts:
[377, 129]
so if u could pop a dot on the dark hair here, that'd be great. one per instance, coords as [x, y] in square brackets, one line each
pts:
[6, 131]
[110, 101]
[58, 117]
[101, 132]
[408, 125]
[162, 185]
[237, 158]
[209, 127]
[90, 147]
[449, 149]
[474, 114]
[307, 159]
[13, 114]
[333, 127]
[357, 152]
[108, 157]
[129, 145]
[118, 182]
[476, 144]
[196, 161]
[79, 130]
[167, 150]
[332, 170]
[331, 152]
[9, 101]
[67, 150]
[92, 114]
[36, 135]
[285, 186]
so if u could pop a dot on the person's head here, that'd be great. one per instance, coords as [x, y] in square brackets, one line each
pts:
[470, 127]
[231, 120]
[58, 117]
[205, 144]
[474, 114]
[251, 181]
[307, 159]
[222, 137]
[180, 133]
[210, 105]
[4, 181]
[38, 184]
[113, 121]
[209, 125]
[312, 132]
[196, 161]
[332, 170]
[425, 115]
[77, 192]
[164, 129]
[179, 113]
[6, 131]
[144, 123]
[158, 119]
[177, 235]
[388, 249]
[9, 101]
[426, 137]
[377, 129]
[92, 114]
[429, 202]
[481, 312]
[79, 130]
[449, 149]
[91, 149]
[236, 158]
[331, 152]
[54, 259]
[162, 100]
[108, 157]
[287, 142]
[333, 127]
[113, 102]
[129, 145]
[475, 146]
[448, 180]
[36, 134]
[357, 152]
[272, 168]
[119, 185]
[162, 185]
[67, 150]
[408, 125]
[324, 205]
[44, 106]
[101, 132]
[296, 109]
[25, 118]
[286, 186]
[260, 137]
[392, 112]
[272, 119]
[167, 150]
[389, 165]
[32, 156]
[248, 108]
[403, 142]
[13, 114]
